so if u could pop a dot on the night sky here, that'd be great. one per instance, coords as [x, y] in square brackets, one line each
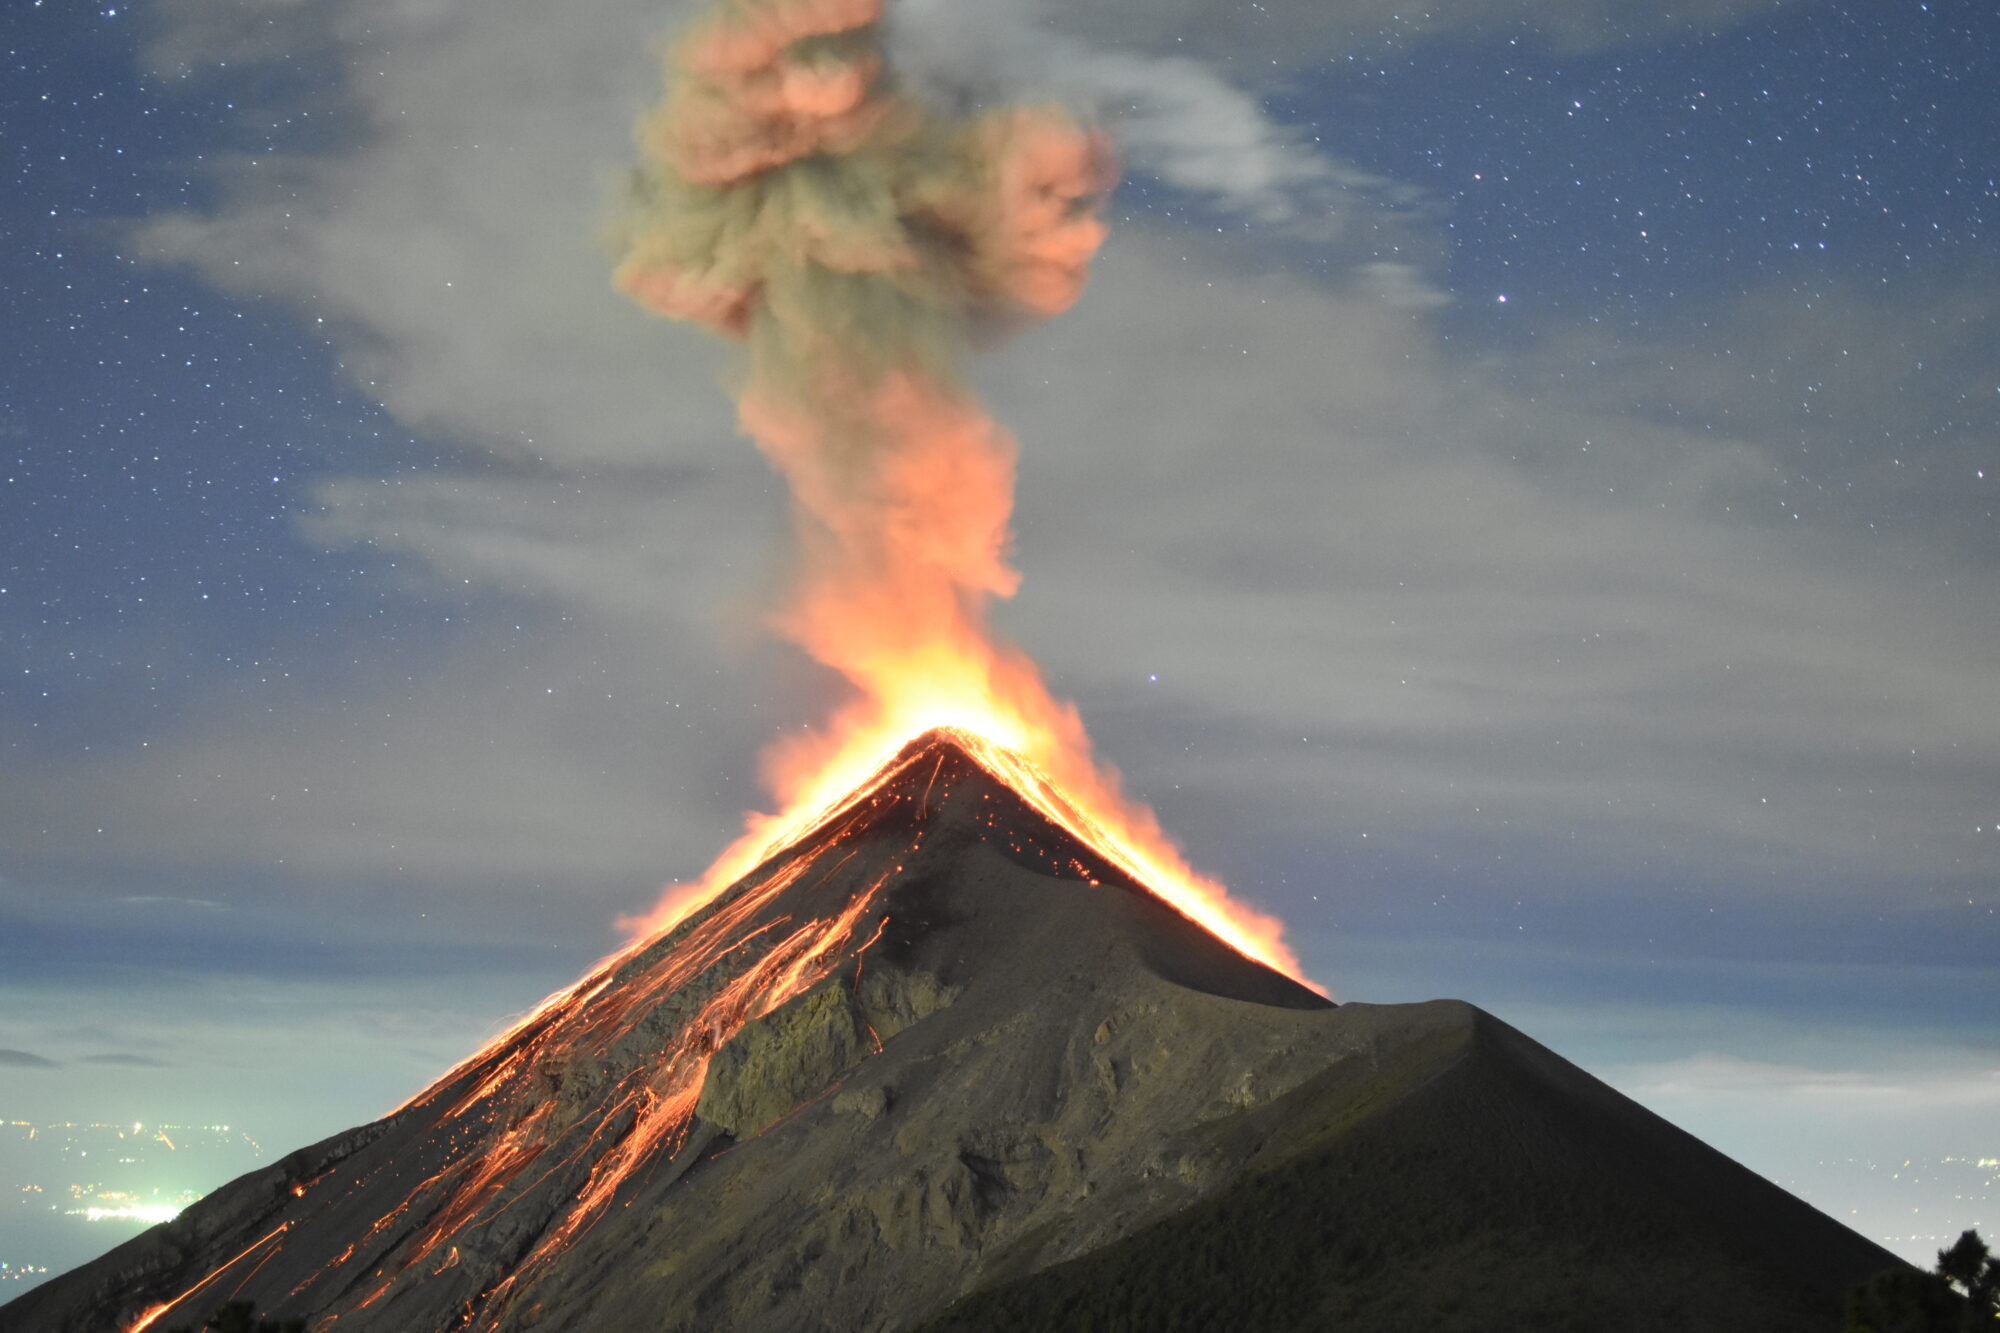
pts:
[1517, 498]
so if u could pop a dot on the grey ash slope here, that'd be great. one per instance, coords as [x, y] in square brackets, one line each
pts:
[1030, 1087]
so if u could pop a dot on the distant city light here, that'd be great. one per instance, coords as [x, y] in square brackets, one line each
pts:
[148, 1213]
[77, 1186]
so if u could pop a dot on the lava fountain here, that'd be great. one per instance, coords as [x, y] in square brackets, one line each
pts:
[854, 242]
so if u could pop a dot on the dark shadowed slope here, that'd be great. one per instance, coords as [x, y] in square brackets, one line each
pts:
[1457, 1177]
[938, 1046]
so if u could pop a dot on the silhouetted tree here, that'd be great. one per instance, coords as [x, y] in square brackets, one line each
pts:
[241, 1317]
[1962, 1296]
[1976, 1274]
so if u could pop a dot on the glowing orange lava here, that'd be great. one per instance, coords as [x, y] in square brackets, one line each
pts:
[1049, 764]
[636, 1036]
[505, 1130]
[794, 200]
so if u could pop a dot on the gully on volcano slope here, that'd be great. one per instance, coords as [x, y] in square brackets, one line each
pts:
[522, 1148]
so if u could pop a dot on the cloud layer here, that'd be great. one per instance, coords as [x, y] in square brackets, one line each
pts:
[1384, 585]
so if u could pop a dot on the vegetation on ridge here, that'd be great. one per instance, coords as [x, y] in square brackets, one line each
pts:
[1963, 1295]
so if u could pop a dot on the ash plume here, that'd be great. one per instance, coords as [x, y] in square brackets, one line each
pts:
[792, 199]
[856, 242]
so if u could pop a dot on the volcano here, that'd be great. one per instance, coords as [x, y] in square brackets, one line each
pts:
[939, 1063]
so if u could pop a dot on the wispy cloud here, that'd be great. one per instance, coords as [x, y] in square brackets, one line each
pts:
[170, 900]
[1711, 1075]
[1383, 583]
[14, 1059]
[1282, 37]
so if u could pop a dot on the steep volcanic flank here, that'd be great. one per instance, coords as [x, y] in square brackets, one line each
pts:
[457, 1209]
[940, 1045]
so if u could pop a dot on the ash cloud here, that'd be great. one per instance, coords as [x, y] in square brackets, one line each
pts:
[855, 240]
[1435, 515]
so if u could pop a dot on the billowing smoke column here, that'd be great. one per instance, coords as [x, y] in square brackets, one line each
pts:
[793, 201]
[855, 241]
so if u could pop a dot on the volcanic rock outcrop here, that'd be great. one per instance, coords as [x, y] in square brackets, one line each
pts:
[938, 1064]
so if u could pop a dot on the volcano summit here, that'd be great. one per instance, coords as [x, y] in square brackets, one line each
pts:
[939, 1063]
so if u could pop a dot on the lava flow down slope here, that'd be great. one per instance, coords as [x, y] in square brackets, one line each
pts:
[939, 1062]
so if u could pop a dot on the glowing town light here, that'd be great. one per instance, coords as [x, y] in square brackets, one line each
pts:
[149, 1213]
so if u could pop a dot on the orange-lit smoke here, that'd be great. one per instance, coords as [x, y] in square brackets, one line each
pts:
[791, 199]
